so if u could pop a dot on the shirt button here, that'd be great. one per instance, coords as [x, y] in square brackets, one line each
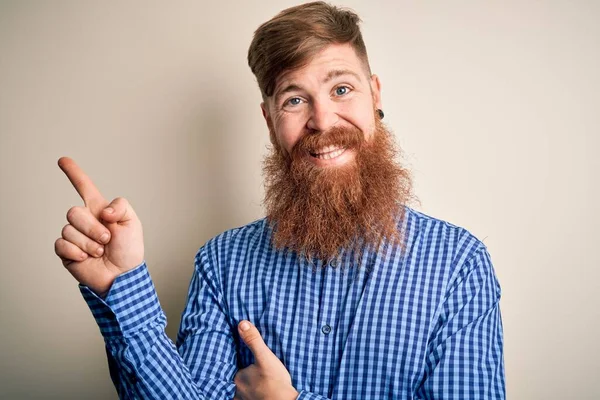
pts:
[326, 329]
[333, 263]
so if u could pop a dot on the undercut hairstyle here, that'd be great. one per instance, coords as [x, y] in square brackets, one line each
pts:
[289, 40]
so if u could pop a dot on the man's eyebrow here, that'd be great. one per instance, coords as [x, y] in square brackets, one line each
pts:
[289, 88]
[332, 74]
[340, 72]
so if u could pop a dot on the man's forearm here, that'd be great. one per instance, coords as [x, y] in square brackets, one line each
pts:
[143, 361]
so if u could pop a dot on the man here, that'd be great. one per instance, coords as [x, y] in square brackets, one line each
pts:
[342, 291]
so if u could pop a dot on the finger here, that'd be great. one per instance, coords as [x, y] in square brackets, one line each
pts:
[72, 235]
[68, 252]
[119, 210]
[83, 184]
[251, 336]
[82, 219]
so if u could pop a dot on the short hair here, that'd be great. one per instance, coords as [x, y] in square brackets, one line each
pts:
[290, 39]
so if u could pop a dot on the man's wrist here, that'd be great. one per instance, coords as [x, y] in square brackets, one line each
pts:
[130, 304]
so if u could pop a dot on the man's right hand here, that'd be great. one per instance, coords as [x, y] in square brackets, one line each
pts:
[98, 245]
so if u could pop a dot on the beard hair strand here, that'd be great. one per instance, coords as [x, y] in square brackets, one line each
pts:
[322, 212]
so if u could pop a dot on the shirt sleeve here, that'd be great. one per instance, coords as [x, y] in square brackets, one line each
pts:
[465, 353]
[143, 361]
[304, 395]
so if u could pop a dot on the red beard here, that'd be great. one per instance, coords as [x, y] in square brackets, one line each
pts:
[321, 212]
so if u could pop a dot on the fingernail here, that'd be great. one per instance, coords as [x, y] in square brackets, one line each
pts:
[109, 210]
[100, 251]
[244, 326]
[104, 237]
[83, 256]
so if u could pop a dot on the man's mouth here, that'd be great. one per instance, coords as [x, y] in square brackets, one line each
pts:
[328, 152]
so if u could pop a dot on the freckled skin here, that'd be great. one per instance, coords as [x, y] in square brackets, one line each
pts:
[317, 104]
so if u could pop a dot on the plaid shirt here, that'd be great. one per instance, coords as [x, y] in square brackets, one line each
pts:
[416, 323]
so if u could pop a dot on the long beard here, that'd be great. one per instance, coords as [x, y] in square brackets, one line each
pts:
[320, 212]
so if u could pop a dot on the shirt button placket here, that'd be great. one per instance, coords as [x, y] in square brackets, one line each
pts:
[326, 329]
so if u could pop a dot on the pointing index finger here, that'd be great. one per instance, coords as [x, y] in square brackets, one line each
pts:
[83, 184]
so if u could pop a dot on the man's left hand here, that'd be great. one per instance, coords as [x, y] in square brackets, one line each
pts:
[267, 378]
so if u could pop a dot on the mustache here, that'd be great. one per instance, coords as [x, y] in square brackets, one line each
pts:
[349, 138]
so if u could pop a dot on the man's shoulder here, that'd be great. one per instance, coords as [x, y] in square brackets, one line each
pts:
[252, 228]
[237, 239]
[450, 247]
[424, 220]
[431, 232]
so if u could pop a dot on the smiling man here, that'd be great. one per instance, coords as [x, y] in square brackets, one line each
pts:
[342, 292]
[331, 181]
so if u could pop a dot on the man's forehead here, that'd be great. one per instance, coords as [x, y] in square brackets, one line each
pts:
[330, 58]
[332, 62]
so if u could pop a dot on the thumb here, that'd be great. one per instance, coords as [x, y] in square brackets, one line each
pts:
[251, 336]
[118, 210]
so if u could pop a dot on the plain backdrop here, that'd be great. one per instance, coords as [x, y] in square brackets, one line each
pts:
[495, 104]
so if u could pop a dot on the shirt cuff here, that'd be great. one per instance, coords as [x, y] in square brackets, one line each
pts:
[130, 305]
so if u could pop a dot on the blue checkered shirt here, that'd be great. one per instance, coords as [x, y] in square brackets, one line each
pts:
[419, 323]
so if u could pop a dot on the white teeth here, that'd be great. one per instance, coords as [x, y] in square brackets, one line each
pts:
[327, 149]
[329, 152]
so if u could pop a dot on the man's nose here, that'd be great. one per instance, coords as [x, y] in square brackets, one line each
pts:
[322, 117]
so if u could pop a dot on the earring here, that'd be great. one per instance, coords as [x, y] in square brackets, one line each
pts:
[380, 112]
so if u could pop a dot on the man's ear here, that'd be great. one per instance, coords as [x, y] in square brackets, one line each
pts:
[376, 91]
[265, 112]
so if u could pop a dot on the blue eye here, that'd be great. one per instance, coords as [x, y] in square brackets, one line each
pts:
[294, 101]
[342, 90]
